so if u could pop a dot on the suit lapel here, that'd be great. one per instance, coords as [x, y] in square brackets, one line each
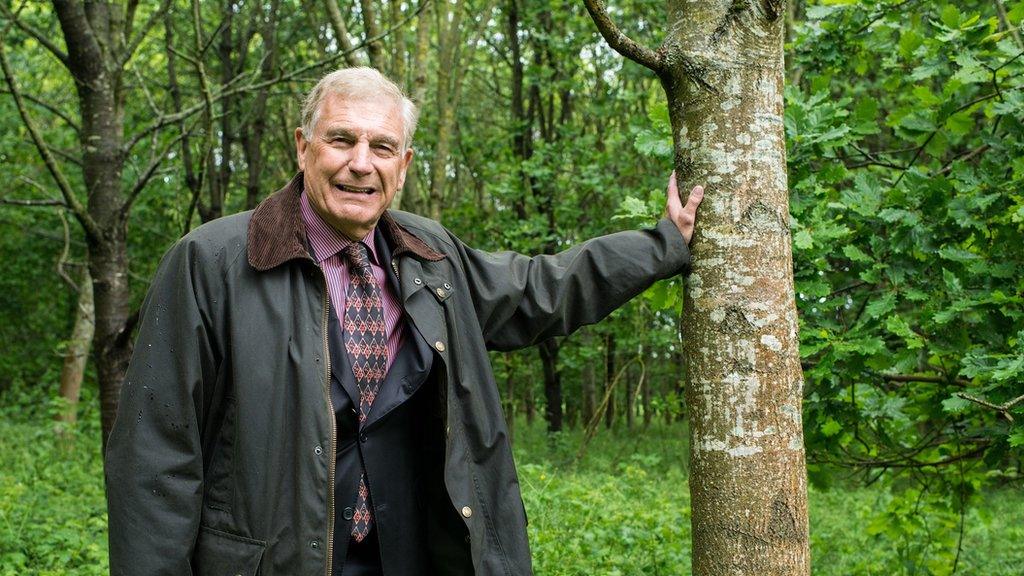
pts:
[408, 370]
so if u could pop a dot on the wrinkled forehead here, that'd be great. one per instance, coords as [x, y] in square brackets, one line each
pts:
[374, 112]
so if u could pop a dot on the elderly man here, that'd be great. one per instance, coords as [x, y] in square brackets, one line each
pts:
[310, 391]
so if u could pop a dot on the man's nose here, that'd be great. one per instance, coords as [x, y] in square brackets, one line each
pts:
[360, 163]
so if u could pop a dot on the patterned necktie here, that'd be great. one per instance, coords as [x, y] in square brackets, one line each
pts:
[366, 343]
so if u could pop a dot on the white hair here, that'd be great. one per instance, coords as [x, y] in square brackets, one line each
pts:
[358, 83]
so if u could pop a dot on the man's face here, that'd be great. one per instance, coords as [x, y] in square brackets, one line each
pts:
[354, 162]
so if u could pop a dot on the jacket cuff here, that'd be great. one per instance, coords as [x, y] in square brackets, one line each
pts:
[677, 251]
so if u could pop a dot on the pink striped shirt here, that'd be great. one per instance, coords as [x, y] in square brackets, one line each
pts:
[327, 244]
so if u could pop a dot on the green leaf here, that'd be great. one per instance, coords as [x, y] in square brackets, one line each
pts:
[803, 240]
[952, 282]
[855, 254]
[955, 405]
[950, 16]
[1017, 438]
[831, 427]
[881, 306]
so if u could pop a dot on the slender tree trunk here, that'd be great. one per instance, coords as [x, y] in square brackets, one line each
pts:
[588, 384]
[371, 28]
[509, 401]
[609, 376]
[409, 197]
[552, 384]
[722, 69]
[77, 353]
[628, 400]
[530, 403]
[252, 139]
[448, 81]
[341, 32]
[645, 402]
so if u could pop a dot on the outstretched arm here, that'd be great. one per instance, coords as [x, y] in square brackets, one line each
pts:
[522, 300]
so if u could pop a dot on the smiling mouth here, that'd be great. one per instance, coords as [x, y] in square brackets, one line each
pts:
[355, 189]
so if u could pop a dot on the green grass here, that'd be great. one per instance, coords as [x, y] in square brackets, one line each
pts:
[623, 510]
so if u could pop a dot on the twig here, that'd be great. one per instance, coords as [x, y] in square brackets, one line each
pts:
[595, 420]
[50, 107]
[36, 35]
[147, 174]
[619, 41]
[20, 202]
[924, 378]
[134, 44]
[230, 89]
[1003, 409]
[92, 229]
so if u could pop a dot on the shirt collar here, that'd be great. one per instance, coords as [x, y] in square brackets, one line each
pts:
[325, 240]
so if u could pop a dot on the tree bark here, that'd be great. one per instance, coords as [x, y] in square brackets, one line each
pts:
[371, 29]
[609, 376]
[341, 33]
[77, 353]
[722, 69]
[588, 383]
[552, 384]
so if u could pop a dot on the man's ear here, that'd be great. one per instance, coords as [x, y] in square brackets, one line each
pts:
[406, 161]
[300, 148]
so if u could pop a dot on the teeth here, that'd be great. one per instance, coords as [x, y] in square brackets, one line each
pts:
[355, 189]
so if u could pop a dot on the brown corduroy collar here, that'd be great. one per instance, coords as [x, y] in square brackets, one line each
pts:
[277, 233]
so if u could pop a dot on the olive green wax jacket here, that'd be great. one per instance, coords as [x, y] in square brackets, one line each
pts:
[220, 460]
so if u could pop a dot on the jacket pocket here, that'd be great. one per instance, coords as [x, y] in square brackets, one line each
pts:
[223, 554]
[220, 476]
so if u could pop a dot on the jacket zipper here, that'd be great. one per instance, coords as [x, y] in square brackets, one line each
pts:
[334, 435]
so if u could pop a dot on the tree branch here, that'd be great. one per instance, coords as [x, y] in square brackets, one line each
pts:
[924, 378]
[49, 107]
[20, 202]
[133, 45]
[150, 170]
[618, 40]
[230, 89]
[91, 228]
[36, 34]
[1003, 409]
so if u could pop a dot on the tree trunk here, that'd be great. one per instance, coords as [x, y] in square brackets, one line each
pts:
[588, 384]
[530, 403]
[722, 69]
[371, 30]
[627, 399]
[609, 376]
[552, 384]
[77, 352]
[645, 402]
[509, 401]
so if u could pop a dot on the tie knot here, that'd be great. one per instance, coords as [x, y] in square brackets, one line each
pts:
[358, 256]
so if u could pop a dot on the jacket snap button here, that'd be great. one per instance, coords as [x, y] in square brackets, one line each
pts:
[318, 450]
[348, 513]
[467, 511]
[362, 438]
[439, 345]
[440, 292]
[417, 281]
[447, 286]
[314, 544]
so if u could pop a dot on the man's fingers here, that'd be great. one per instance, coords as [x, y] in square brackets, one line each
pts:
[696, 195]
[674, 202]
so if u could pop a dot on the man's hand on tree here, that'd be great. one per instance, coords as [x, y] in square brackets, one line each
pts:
[683, 216]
